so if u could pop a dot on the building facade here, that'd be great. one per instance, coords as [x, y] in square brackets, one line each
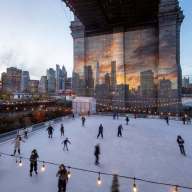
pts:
[51, 80]
[61, 77]
[25, 78]
[131, 65]
[11, 80]
[43, 85]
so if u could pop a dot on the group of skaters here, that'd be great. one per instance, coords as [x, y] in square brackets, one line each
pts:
[185, 119]
[62, 173]
[100, 131]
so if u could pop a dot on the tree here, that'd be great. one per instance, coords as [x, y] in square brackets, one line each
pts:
[115, 184]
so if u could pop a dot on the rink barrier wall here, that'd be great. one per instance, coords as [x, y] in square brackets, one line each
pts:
[4, 137]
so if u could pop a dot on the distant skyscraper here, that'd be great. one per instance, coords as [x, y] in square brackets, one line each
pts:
[61, 77]
[68, 83]
[51, 80]
[33, 86]
[147, 85]
[25, 81]
[1, 86]
[185, 82]
[11, 80]
[113, 75]
[43, 85]
[97, 73]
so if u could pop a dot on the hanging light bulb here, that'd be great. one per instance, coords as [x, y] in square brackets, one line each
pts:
[99, 180]
[175, 189]
[134, 186]
[69, 173]
[43, 167]
[20, 163]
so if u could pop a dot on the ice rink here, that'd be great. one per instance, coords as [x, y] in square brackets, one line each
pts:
[148, 149]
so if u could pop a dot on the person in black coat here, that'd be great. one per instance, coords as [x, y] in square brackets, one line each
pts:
[167, 119]
[62, 130]
[65, 142]
[97, 153]
[33, 161]
[63, 178]
[119, 133]
[50, 131]
[127, 120]
[100, 132]
[83, 121]
[181, 142]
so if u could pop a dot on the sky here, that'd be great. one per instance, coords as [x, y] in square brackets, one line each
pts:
[35, 35]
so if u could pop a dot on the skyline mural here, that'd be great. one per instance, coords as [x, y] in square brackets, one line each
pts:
[135, 66]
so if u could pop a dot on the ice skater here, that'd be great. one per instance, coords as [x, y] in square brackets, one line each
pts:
[119, 132]
[167, 119]
[63, 178]
[184, 119]
[83, 121]
[114, 115]
[100, 131]
[97, 153]
[65, 142]
[33, 162]
[127, 120]
[181, 142]
[62, 130]
[50, 131]
[117, 115]
[25, 133]
[17, 143]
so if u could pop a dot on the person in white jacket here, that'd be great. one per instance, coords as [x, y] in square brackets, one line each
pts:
[17, 143]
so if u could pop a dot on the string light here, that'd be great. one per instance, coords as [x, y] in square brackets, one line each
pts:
[20, 163]
[43, 167]
[99, 182]
[174, 188]
[134, 186]
[69, 173]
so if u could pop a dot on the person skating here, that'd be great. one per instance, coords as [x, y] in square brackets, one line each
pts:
[181, 142]
[127, 120]
[73, 115]
[62, 130]
[17, 142]
[63, 178]
[33, 162]
[114, 115]
[83, 121]
[26, 133]
[117, 115]
[50, 131]
[184, 120]
[167, 119]
[100, 132]
[65, 142]
[97, 153]
[119, 133]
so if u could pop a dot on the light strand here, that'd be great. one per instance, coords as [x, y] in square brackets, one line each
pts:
[110, 174]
